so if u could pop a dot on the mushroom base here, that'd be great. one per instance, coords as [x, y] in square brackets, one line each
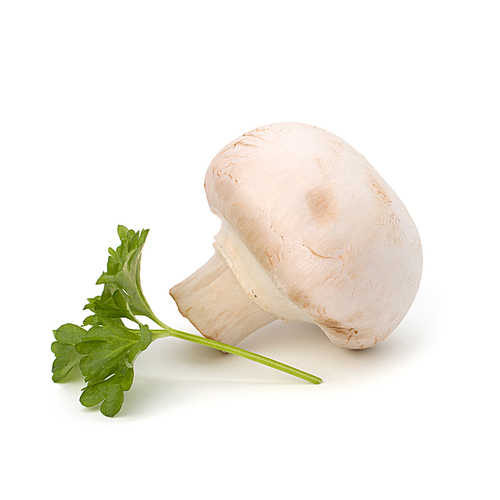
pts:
[217, 305]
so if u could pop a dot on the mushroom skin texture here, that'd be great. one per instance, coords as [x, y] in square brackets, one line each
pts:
[310, 232]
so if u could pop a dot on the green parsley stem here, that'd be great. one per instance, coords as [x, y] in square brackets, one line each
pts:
[170, 332]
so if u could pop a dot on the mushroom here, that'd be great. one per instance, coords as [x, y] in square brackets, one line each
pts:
[310, 232]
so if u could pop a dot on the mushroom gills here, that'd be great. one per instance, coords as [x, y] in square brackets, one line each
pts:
[231, 295]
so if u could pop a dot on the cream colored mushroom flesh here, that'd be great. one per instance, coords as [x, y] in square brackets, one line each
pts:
[310, 232]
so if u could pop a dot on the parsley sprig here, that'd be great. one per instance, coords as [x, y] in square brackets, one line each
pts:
[105, 352]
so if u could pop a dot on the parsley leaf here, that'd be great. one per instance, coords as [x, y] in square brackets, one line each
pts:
[123, 274]
[109, 350]
[109, 392]
[67, 336]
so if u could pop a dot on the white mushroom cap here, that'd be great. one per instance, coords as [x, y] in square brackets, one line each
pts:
[310, 232]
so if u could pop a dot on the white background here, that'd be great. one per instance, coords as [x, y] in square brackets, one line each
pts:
[110, 113]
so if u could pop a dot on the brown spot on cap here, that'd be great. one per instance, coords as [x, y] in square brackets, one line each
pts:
[321, 204]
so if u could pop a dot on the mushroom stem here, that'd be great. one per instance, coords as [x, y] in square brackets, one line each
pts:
[217, 305]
